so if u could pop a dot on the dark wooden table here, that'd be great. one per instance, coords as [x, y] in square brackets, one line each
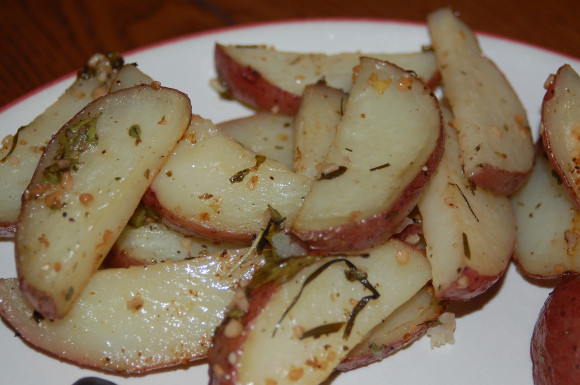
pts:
[42, 40]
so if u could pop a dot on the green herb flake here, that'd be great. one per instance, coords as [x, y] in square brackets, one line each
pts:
[240, 175]
[69, 293]
[466, 249]
[135, 132]
[385, 165]
[322, 330]
[72, 143]
[355, 274]
[333, 174]
[13, 145]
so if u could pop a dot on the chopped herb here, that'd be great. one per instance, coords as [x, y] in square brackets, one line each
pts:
[74, 141]
[380, 167]
[135, 132]
[13, 145]
[466, 201]
[275, 224]
[322, 330]
[466, 249]
[378, 351]
[555, 175]
[240, 175]
[355, 273]
[333, 174]
[69, 293]
[142, 215]
[37, 317]
[115, 60]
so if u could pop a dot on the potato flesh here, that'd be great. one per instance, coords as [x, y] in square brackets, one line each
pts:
[494, 132]
[314, 129]
[548, 225]
[58, 249]
[407, 323]
[136, 319]
[464, 226]
[561, 122]
[292, 71]
[19, 167]
[195, 187]
[383, 140]
[129, 76]
[155, 242]
[264, 133]
[328, 298]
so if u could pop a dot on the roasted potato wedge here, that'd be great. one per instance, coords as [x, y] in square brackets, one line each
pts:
[215, 188]
[21, 152]
[321, 109]
[560, 123]
[137, 319]
[494, 134]
[387, 145]
[404, 326]
[264, 133]
[154, 242]
[555, 346]
[548, 224]
[470, 233]
[274, 80]
[309, 313]
[87, 185]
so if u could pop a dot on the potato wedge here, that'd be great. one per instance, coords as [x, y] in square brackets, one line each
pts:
[87, 185]
[406, 324]
[560, 125]
[548, 222]
[264, 133]
[274, 80]
[494, 134]
[388, 143]
[555, 344]
[128, 76]
[21, 152]
[136, 319]
[470, 233]
[155, 242]
[307, 318]
[215, 188]
[320, 111]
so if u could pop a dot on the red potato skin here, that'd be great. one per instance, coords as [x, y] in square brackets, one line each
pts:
[118, 258]
[550, 93]
[354, 362]
[555, 347]
[368, 232]
[434, 82]
[468, 285]
[221, 369]
[351, 362]
[190, 227]
[502, 182]
[249, 87]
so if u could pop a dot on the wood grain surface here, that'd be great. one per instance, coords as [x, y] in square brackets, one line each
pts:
[42, 40]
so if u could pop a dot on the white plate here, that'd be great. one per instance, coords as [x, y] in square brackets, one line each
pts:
[493, 332]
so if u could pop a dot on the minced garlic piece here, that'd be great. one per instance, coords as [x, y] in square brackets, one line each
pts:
[442, 333]
[379, 84]
[402, 257]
